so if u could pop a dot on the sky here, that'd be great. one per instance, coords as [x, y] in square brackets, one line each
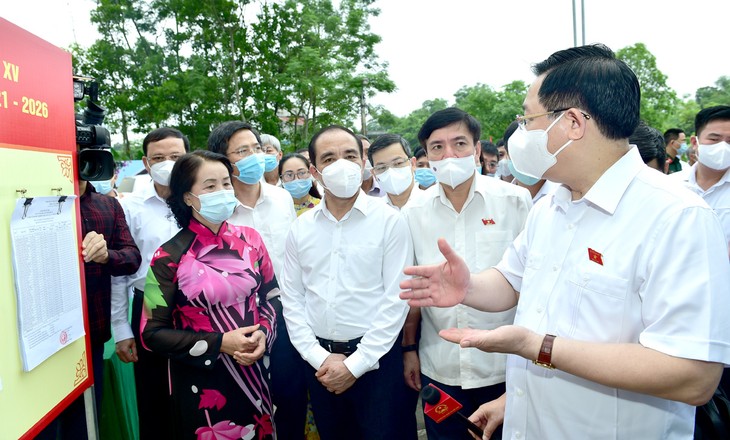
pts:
[435, 47]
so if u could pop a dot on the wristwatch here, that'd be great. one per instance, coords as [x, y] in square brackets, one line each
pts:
[544, 359]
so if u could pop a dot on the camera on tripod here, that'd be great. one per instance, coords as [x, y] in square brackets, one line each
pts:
[96, 161]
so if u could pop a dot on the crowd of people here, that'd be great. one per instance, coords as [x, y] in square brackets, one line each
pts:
[541, 281]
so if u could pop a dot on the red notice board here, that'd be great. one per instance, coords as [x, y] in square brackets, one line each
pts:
[37, 158]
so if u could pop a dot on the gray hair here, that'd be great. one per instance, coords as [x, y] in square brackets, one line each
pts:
[267, 139]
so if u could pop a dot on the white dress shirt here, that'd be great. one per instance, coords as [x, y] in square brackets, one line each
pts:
[717, 196]
[610, 268]
[341, 281]
[415, 193]
[151, 224]
[271, 216]
[493, 215]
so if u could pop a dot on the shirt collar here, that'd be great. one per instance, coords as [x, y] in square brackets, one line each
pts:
[481, 189]
[149, 192]
[611, 186]
[363, 204]
[691, 177]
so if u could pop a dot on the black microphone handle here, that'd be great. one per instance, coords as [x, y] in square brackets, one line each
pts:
[470, 425]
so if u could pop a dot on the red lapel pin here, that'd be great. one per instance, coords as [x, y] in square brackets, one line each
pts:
[488, 221]
[595, 256]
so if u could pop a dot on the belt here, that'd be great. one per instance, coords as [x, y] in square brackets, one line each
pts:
[340, 347]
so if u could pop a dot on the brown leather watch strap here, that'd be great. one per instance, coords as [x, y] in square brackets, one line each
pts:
[544, 359]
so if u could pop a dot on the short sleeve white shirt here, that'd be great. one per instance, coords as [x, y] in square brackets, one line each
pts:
[717, 196]
[271, 216]
[493, 215]
[151, 224]
[610, 268]
[341, 281]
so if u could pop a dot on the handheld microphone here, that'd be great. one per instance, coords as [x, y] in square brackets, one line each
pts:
[440, 406]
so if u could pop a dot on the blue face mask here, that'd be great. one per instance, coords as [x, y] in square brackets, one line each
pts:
[102, 186]
[525, 180]
[251, 168]
[218, 206]
[683, 148]
[425, 177]
[298, 188]
[270, 162]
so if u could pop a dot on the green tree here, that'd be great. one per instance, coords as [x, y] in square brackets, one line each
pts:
[658, 101]
[717, 95]
[495, 110]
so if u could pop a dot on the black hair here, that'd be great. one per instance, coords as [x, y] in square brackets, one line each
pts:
[386, 140]
[183, 178]
[314, 192]
[592, 79]
[219, 137]
[709, 114]
[650, 142]
[511, 128]
[446, 117]
[672, 135]
[500, 143]
[489, 148]
[313, 152]
[161, 133]
[419, 153]
[362, 137]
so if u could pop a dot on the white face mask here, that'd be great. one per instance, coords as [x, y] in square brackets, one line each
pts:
[715, 156]
[343, 178]
[367, 173]
[453, 171]
[160, 172]
[396, 180]
[529, 152]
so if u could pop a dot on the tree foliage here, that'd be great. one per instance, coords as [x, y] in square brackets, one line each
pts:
[717, 95]
[289, 67]
[658, 101]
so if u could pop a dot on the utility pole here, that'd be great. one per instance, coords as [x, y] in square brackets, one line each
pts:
[582, 24]
[363, 109]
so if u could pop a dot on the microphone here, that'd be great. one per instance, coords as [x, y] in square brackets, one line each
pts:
[440, 406]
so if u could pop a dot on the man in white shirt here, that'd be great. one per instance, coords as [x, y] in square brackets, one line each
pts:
[479, 216]
[151, 224]
[710, 175]
[270, 210]
[611, 339]
[340, 295]
[393, 168]
[370, 186]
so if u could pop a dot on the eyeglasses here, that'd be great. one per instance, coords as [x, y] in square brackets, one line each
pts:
[160, 158]
[270, 149]
[397, 163]
[523, 119]
[289, 175]
[246, 151]
[492, 163]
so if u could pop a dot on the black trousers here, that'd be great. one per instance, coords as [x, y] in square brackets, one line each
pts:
[152, 382]
[288, 382]
[371, 409]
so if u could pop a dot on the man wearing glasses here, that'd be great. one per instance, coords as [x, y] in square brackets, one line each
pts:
[393, 168]
[264, 207]
[479, 216]
[611, 339]
[151, 224]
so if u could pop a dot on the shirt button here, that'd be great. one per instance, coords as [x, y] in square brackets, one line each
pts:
[539, 309]
[570, 226]
[519, 392]
[518, 434]
[555, 268]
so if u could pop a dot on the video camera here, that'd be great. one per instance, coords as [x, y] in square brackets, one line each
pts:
[96, 161]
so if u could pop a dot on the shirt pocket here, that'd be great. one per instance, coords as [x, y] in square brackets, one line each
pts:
[490, 246]
[598, 301]
[363, 266]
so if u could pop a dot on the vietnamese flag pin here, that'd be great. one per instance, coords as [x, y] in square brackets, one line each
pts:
[488, 221]
[595, 256]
